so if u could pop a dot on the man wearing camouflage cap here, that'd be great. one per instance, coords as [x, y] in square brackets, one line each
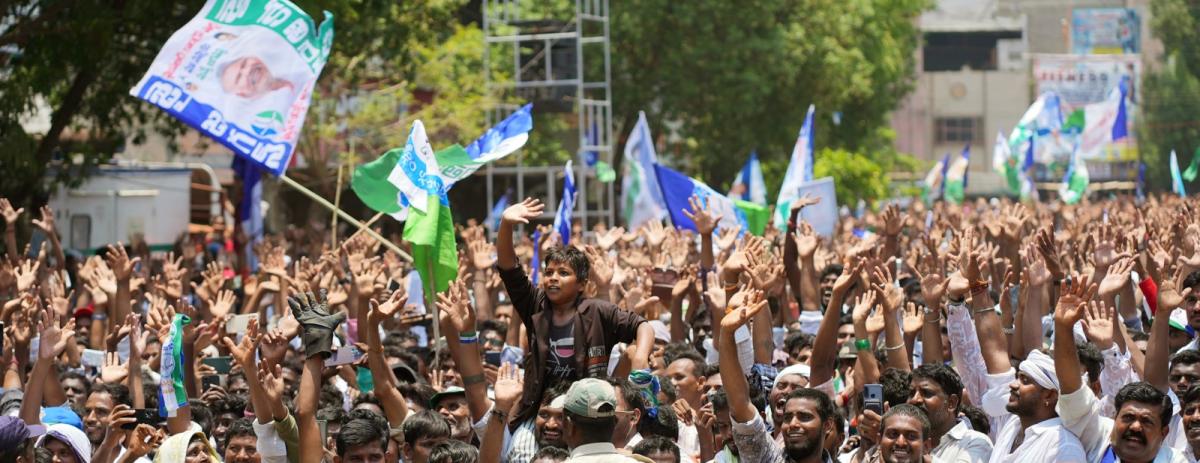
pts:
[591, 414]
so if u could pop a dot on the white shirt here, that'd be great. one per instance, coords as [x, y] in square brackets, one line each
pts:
[600, 452]
[270, 447]
[1081, 415]
[962, 444]
[1045, 441]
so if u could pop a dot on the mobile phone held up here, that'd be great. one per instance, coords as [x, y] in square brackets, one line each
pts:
[873, 398]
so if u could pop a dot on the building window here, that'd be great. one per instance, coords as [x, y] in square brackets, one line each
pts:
[81, 231]
[959, 130]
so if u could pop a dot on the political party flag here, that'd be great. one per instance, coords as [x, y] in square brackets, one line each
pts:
[935, 180]
[1176, 177]
[1140, 187]
[678, 188]
[242, 72]
[249, 209]
[416, 172]
[1075, 182]
[757, 216]
[499, 141]
[641, 199]
[749, 185]
[799, 172]
[1193, 168]
[1104, 122]
[171, 393]
[535, 262]
[493, 219]
[431, 233]
[370, 181]
[566, 205]
[956, 177]
[1021, 139]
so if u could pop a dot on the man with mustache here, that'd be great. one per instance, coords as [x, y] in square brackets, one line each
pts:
[904, 435]
[1143, 412]
[1191, 419]
[937, 391]
[807, 417]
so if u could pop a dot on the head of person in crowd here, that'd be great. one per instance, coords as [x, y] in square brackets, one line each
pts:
[1191, 303]
[334, 418]
[799, 346]
[550, 455]
[722, 428]
[564, 274]
[1142, 422]
[238, 386]
[897, 385]
[454, 451]
[631, 410]
[446, 367]
[829, 275]
[1140, 339]
[835, 439]
[1033, 393]
[417, 395]
[201, 415]
[504, 314]
[701, 328]
[225, 411]
[658, 449]
[712, 379]
[187, 447]
[589, 409]
[978, 419]
[17, 440]
[75, 386]
[845, 331]
[937, 391]
[686, 373]
[66, 443]
[361, 440]
[240, 442]
[807, 421]
[1185, 371]
[549, 424]
[1181, 332]
[1092, 362]
[99, 404]
[452, 404]
[664, 423]
[422, 431]
[150, 357]
[1190, 412]
[904, 435]
[491, 336]
[787, 380]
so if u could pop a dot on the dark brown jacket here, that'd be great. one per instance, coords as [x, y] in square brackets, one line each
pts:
[599, 325]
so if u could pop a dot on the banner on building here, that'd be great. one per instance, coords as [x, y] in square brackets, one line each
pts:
[1105, 31]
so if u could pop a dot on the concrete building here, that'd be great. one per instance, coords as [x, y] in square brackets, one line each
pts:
[974, 77]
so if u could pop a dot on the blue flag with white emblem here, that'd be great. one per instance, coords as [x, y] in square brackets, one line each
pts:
[677, 188]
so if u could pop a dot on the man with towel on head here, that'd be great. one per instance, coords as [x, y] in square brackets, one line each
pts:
[1022, 406]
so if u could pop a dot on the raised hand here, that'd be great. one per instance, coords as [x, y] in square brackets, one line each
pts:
[10, 215]
[47, 222]
[849, 275]
[602, 271]
[1098, 324]
[483, 255]
[739, 316]
[1072, 302]
[862, 306]
[1117, 277]
[270, 376]
[891, 294]
[914, 319]
[654, 233]
[703, 215]
[608, 239]
[113, 371]
[727, 238]
[53, 340]
[509, 386]
[222, 305]
[27, 274]
[387, 309]
[892, 223]
[316, 322]
[120, 263]
[523, 211]
[1169, 297]
[243, 352]
[456, 309]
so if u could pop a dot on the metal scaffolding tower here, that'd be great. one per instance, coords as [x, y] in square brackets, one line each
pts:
[560, 62]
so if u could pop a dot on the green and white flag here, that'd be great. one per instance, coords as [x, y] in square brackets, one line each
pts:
[431, 233]
[1075, 183]
[641, 199]
[171, 393]
[1176, 177]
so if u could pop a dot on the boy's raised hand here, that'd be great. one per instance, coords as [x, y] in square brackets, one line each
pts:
[523, 211]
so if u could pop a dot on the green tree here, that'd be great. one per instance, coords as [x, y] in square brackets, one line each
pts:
[745, 82]
[1170, 94]
[857, 176]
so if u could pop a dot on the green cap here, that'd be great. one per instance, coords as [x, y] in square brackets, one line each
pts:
[452, 390]
[591, 398]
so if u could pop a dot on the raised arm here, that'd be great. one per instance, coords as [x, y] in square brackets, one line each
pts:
[1158, 352]
[1072, 305]
[825, 346]
[394, 405]
[866, 365]
[317, 327]
[10, 229]
[509, 386]
[933, 287]
[506, 253]
[706, 220]
[458, 326]
[890, 299]
[735, 384]
[46, 224]
[987, 322]
[52, 341]
[122, 269]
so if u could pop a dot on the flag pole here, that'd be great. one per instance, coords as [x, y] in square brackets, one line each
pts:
[431, 298]
[347, 217]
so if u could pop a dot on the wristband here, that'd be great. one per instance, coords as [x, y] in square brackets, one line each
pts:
[893, 348]
[985, 309]
[862, 344]
[471, 340]
[472, 380]
[99, 316]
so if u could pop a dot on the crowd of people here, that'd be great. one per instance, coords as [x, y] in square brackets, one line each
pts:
[990, 331]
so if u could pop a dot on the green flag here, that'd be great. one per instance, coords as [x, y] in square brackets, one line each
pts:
[370, 183]
[1193, 168]
[757, 216]
[605, 172]
[432, 236]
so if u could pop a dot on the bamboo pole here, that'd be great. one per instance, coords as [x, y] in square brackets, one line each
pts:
[347, 217]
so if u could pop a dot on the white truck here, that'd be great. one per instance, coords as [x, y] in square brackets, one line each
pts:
[159, 201]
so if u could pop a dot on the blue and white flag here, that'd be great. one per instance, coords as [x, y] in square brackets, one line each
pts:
[566, 205]
[749, 184]
[242, 72]
[1105, 123]
[172, 395]
[678, 188]
[799, 172]
[641, 200]
[503, 138]
[249, 209]
[416, 174]
[1176, 177]
[535, 262]
[493, 219]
